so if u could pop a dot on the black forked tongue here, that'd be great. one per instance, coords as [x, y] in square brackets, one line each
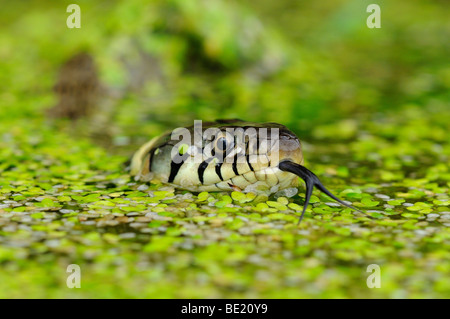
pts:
[311, 180]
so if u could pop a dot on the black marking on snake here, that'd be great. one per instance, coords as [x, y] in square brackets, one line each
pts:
[175, 167]
[247, 157]
[257, 144]
[218, 170]
[247, 147]
[202, 167]
[235, 170]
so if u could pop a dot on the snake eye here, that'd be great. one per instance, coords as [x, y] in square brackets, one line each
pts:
[221, 144]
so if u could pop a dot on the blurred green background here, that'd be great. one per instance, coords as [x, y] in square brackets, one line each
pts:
[303, 64]
[371, 105]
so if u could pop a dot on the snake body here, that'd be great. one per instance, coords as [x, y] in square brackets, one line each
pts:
[227, 155]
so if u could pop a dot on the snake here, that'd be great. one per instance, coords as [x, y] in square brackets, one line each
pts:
[228, 155]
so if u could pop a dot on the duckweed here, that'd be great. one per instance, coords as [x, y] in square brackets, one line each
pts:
[372, 115]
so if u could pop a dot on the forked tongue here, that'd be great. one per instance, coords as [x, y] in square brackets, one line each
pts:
[311, 180]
